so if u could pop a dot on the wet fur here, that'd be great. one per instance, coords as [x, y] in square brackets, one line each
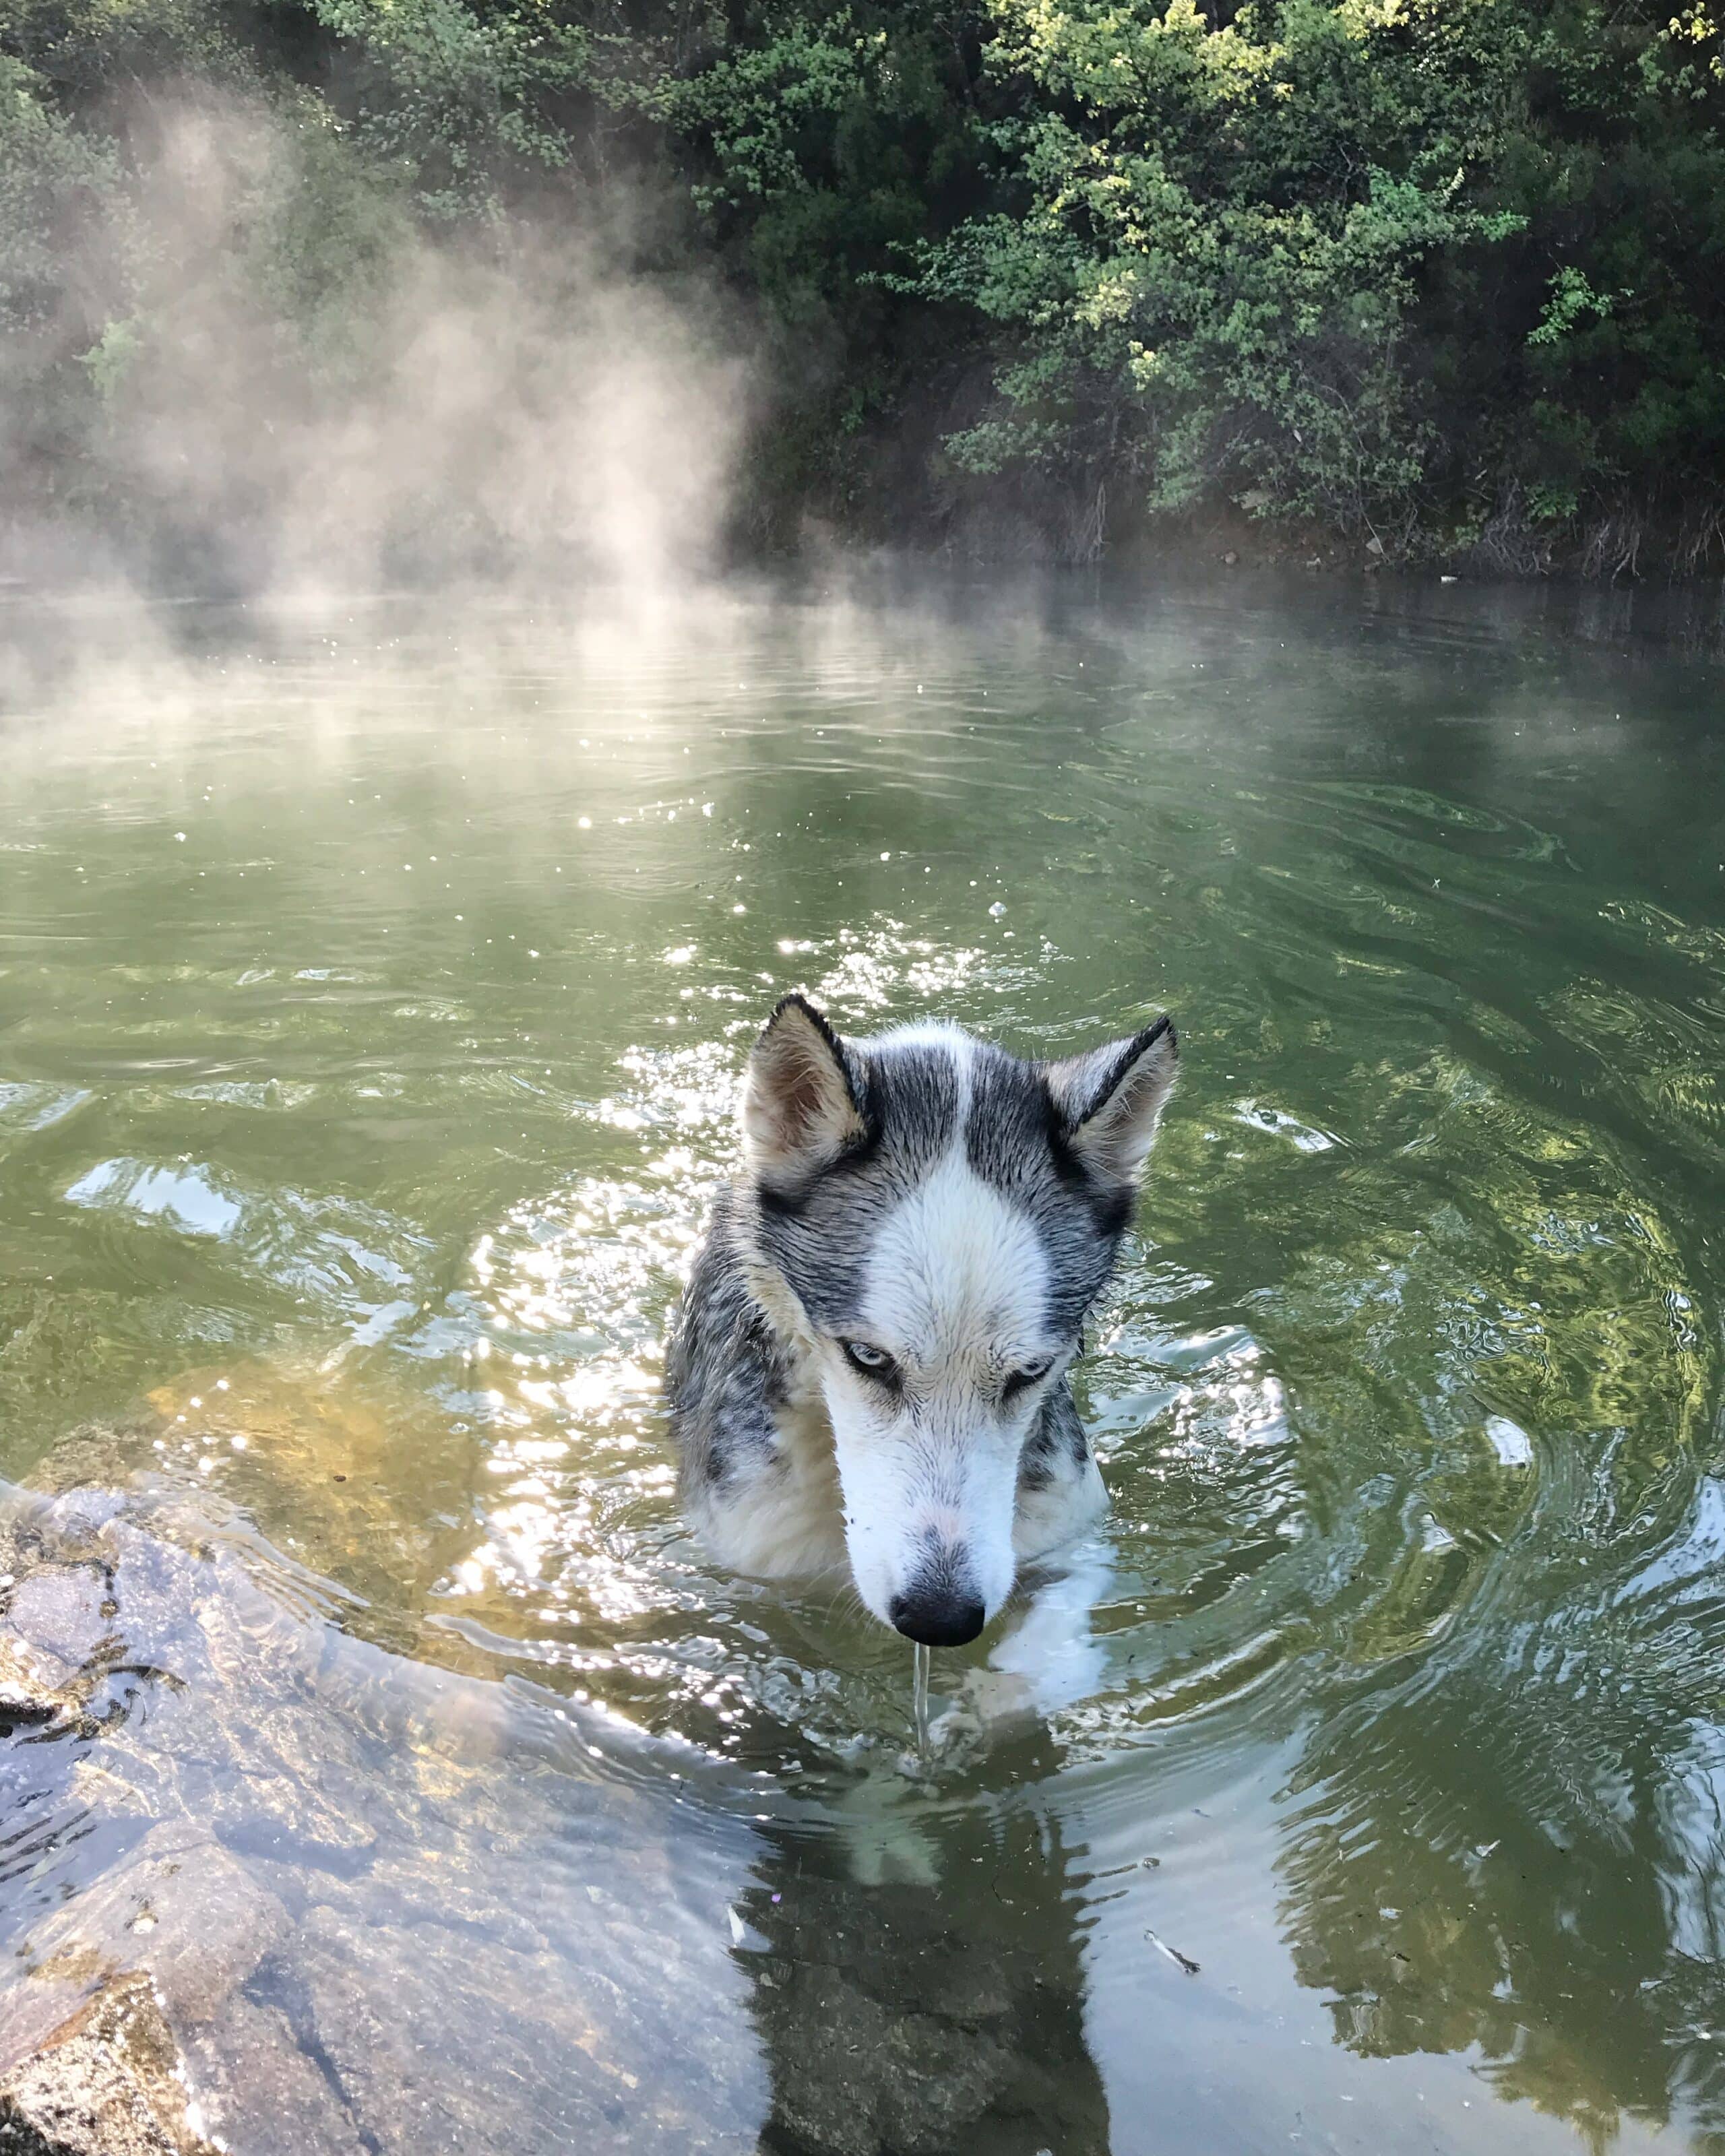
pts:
[924, 1185]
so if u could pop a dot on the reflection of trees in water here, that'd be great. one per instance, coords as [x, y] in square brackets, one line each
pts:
[1508, 1828]
[1520, 1848]
[924, 2016]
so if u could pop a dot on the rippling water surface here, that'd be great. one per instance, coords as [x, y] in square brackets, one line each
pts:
[374, 988]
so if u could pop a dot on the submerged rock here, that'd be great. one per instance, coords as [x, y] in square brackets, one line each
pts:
[105, 2083]
[61, 1610]
[338, 1900]
[895, 2024]
[363, 1905]
[34, 1687]
[179, 1906]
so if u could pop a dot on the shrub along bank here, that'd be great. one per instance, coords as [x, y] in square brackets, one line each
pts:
[1411, 280]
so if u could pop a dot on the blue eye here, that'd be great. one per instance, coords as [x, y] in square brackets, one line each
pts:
[875, 1360]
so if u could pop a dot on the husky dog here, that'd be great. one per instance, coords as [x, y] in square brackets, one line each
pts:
[870, 1361]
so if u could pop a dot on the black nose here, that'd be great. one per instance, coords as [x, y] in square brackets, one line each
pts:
[938, 1618]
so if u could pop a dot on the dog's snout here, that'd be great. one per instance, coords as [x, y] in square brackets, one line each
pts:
[938, 1616]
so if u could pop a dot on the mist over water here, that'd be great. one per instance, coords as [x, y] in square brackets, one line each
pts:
[375, 984]
[301, 388]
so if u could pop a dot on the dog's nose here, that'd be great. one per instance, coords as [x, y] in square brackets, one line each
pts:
[938, 1618]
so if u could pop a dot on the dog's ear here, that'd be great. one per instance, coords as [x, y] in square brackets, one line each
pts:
[800, 1098]
[1109, 1101]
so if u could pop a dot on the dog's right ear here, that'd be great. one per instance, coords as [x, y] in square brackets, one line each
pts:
[799, 1100]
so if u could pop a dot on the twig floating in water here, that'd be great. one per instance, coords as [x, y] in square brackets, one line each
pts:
[1173, 1953]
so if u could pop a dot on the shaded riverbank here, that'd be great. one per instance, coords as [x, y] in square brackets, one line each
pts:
[376, 288]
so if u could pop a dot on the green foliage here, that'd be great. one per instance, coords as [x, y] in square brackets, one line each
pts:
[51, 176]
[1213, 275]
[1572, 300]
[111, 359]
[1421, 273]
[456, 96]
[83, 51]
[1235, 258]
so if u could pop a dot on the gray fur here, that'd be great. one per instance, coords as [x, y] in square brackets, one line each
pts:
[783, 1261]
[730, 1372]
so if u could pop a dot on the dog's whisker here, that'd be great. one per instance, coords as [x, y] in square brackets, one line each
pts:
[845, 1597]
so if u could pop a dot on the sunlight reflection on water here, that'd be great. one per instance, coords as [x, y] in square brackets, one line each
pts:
[363, 1136]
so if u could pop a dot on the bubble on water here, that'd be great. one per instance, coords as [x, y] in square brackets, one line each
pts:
[1276, 1122]
[1511, 1443]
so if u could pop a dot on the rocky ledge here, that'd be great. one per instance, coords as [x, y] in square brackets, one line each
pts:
[107, 2079]
[272, 1890]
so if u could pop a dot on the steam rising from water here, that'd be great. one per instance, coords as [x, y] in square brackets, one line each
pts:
[298, 389]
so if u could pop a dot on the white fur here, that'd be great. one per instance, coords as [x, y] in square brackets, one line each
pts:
[1052, 1648]
[955, 1291]
[933, 1033]
[1049, 1519]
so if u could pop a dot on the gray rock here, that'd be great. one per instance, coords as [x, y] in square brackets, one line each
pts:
[378, 1999]
[62, 1610]
[180, 1909]
[258, 2091]
[31, 2013]
[386, 1907]
[33, 1684]
[103, 2084]
[892, 2029]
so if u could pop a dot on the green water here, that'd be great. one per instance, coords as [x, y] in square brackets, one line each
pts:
[372, 989]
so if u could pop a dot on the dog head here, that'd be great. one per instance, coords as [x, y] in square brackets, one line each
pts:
[935, 1218]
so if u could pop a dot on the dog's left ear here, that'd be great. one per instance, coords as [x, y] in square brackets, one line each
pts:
[1109, 1099]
